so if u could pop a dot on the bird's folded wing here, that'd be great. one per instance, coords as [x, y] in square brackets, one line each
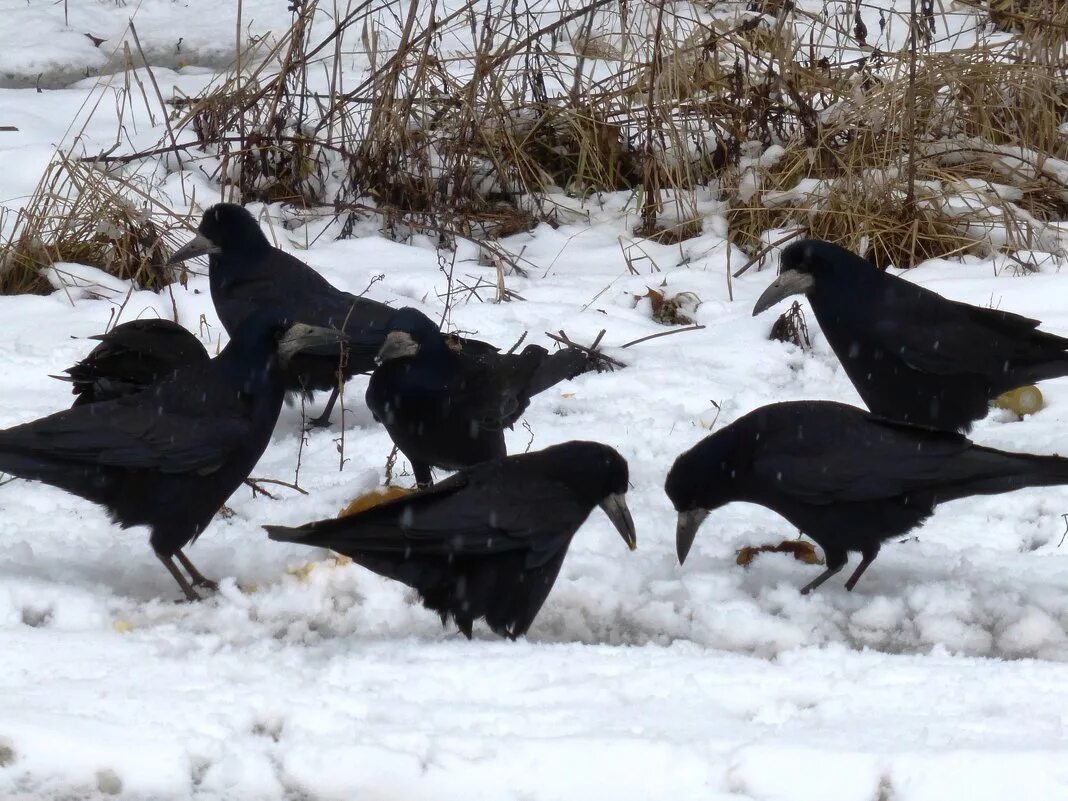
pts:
[893, 459]
[950, 338]
[465, 514]
[132, 437]
[496, 392]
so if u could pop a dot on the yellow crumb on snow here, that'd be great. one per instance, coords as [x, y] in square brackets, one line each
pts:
[373, 498]
[122, 626]
[1023, 400]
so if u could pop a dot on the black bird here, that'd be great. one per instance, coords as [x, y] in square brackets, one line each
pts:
[168, 457]
[447, 408]
[847, 479]
[912, 354]
[130, 357]
[487, 542]
[246, 273]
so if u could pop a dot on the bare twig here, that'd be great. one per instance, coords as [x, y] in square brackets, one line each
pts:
[663, 334]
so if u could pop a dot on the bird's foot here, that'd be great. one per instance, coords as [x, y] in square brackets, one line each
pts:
[198, 578]
[322, 421]
[191, 597]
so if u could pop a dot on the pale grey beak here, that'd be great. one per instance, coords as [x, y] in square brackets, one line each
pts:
[789, 282]
[199, 245]
[686, 531]
[301, 337]
[615, 506]
[398, 345]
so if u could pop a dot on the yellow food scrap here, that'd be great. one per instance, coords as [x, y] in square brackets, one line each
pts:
[373, 498]
[1024, 400]
[302, 572]
[122, 626]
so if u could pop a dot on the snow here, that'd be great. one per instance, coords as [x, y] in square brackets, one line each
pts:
[940, 678]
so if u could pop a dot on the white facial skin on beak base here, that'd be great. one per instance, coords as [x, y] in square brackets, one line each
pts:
[789, 282]
[199, 245]
[398, 345]
[301, 336]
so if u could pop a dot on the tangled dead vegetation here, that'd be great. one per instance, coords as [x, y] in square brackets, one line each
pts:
[902, 136]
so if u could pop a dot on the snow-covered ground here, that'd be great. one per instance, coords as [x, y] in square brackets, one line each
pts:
[940, 678]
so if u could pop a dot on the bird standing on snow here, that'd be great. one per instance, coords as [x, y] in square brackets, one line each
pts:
[912, 354]
[247, 273]
[449, 409]
[488, 541]
[170, 456]
[847, 479]
[130, 357]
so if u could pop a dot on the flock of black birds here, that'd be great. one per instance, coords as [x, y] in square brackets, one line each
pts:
[161, 435]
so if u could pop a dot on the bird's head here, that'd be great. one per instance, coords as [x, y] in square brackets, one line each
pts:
[597, 474]
[804, 265]
[224, 228]
[701, 480]
[409, 333]
[271, 331]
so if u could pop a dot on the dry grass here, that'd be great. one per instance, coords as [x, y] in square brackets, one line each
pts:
[801, 122]
[81, 215]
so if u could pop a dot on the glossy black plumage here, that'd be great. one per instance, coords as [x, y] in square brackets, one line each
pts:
[448, 408]
[847, 479]
[912, 354]
[168, 457]
[247, 273]
[487, 542]
[132, 356]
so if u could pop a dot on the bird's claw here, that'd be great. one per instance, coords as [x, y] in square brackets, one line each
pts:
[316, 423]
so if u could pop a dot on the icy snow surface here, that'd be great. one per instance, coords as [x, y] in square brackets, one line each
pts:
[941, 677]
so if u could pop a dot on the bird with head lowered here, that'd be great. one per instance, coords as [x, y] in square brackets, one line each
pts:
[130, 357]
[489, 541]
[846, 478]
[448, 409]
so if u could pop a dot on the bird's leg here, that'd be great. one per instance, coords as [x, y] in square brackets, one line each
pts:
[168, 562]
[323, 420]
[423, 476]
[835, 562]
[867, 557]
[198, 578]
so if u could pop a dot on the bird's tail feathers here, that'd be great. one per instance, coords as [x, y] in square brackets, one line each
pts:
[299, 534]
[993, 471]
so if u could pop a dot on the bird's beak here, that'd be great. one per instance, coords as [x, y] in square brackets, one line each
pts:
[398, 345]
[615, 506]
[686, 530]
[789, 282]
[303, 337]
[199, 245]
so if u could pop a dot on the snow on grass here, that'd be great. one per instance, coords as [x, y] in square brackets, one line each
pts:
[940, 677]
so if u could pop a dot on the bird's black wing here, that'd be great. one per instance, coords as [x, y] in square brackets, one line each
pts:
[179, 425]
[130, 438]
[943, 337]
[860, 460]
[496, 391]
[490, 509]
